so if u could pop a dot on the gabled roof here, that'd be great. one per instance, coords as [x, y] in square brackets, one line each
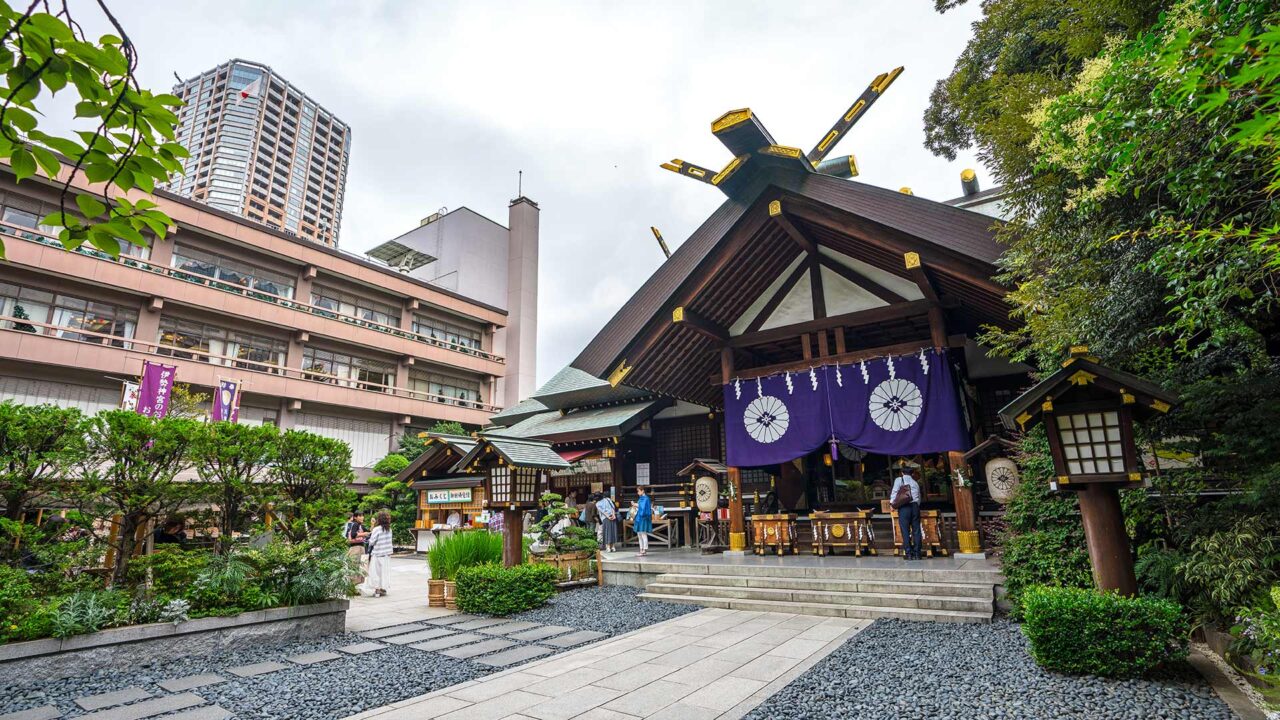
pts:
[572, 387]
[1081, 374]
[521, 410]
[589, 424]
[711, 465]
[442, 453]
[516, 452]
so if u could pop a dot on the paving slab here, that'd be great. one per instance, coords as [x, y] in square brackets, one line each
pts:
[539, 633]
[448, 641]
[514, 655]
[119, 697]
[147, 708]
[478, 623]
[510, 627]
[257, 669]
[480, 648]
[314, 657]
[419, 636]
[361, 648]
[209, 712]
[44, 712]
[572, 639]
[396, 630]
[452, 619]
[191, 682]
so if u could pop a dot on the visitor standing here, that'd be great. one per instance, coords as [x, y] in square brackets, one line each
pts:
[379, 544]
[906, 498]
[356, 534]
[608, 522]
[643, 522]
[591, 515]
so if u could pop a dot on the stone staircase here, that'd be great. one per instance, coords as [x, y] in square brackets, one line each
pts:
[942, 595]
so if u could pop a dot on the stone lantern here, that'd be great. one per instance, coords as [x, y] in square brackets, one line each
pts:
[515, 477]
[1088, 411]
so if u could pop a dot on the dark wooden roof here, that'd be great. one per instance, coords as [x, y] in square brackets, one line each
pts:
[737, 253]
[1086, 375]
[442, 453]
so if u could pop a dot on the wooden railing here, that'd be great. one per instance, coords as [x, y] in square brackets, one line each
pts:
[11, 324]
[251, 293]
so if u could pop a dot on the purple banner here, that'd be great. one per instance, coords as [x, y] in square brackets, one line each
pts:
[890, 406]
[155, 388]
[226, 401]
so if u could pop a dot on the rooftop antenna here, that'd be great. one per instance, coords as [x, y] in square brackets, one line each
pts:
[661, 243]
[519, 183]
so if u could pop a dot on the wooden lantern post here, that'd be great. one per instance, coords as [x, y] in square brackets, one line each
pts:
[1088, 411]
[515, 476]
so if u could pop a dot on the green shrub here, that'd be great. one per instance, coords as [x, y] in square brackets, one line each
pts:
[463, 549]
[88, 612]
[170, 569]
[496, 590]
[1081, 631]
[1055, 557]
[571, 539]
[17, 599]
[1257, 638]
[298, 575]
[1231, 568]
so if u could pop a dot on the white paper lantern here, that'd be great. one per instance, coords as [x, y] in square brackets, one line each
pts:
[1002, 478]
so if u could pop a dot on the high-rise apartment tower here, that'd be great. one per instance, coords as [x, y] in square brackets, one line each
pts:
[263, 149]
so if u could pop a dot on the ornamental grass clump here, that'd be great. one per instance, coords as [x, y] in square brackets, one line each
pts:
[1084, 631]
[463, 549]
[496, 590]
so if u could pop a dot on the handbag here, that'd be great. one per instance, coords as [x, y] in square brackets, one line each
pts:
[903, 497]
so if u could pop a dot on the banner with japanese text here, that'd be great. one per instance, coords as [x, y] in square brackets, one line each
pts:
[155, 388]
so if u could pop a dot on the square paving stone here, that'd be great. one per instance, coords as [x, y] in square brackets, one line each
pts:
[44, 712]
[256, 669]
[514, 655]
[389, 631]
[211, 712]
[447, 641]
[566, 641]
[480, 648]
[191, 682]
[119, 697]
[361, 648]
[147, 708]
[539, 633]
[419, 636]
[478, 623]
[508, 628]
[452, 619]
[314, 657]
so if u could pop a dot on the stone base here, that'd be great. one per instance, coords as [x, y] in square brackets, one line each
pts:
[969, 556]
[734, 553]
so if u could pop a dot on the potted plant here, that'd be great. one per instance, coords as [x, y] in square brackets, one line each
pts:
[570, 548]
[454, 552]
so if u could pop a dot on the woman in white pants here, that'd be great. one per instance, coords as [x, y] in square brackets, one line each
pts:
[379, 544]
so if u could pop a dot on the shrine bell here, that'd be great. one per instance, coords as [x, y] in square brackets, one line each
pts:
[1088, 411]
[515, 477]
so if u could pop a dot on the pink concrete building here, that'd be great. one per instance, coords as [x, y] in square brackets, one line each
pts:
[322, 340]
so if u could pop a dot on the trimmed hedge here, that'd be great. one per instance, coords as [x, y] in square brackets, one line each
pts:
[492, 589]
[1083, 631]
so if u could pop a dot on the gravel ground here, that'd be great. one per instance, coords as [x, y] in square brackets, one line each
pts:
[974, 671]
[586, 608]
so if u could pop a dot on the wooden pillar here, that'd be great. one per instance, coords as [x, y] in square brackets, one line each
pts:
[966, 512]
[1108, 541]
[937, 327]
[737, 521]
[512, 537]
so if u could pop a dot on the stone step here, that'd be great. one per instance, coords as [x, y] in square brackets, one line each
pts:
[922, 571]
[904, 587]
[861, 612]
[830, 597]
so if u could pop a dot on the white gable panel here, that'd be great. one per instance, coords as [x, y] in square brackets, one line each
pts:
[369, 441]
[740, 325]
[900, 285]
[796, 307]
[842, 296]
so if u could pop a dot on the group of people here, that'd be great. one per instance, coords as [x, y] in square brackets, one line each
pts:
[598, 510]
[371, 547]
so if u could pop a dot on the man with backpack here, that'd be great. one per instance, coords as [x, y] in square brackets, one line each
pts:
[356, 535]
[905, 498]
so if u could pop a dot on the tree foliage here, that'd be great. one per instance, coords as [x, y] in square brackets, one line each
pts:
[232, 460]
[40, 445]
[132, 143]
[312, 473]
[393, 495]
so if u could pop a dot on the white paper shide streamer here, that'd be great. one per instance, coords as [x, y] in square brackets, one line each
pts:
[813, 379]
[737, 388]
[790, 388]
[866, 378]
[839, 380]
[759, 388]
[924, 362]
[892, 374]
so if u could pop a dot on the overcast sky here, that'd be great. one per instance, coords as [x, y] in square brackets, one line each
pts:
[447, 100]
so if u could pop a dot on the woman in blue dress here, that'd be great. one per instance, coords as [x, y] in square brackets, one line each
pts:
[643, 523]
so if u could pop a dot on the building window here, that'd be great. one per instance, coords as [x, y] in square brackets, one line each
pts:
[447, 388]
[341, 303]
[70, 314]
[230, 347]
[232, 272]
[348, 370]
[450, 332]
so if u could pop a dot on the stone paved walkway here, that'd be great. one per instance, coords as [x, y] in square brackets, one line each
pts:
[709, 664]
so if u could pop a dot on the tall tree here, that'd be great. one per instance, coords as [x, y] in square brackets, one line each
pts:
[40, 446]
[311, 473]
[44, 49]
[232, 461]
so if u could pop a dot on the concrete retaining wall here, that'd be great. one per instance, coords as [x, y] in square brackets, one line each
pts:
[54, 658]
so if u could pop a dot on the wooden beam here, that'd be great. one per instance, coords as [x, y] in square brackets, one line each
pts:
[909, 308]
[823, 349]
[839, 341]
[841, 358]
[815, 288]
[793, 232]
[915, 268]
[806, 350]
[695, 321]
[778, 297]
[867, 284]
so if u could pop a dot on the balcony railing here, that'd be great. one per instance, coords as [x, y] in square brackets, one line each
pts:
[9, 324]
[196, 279]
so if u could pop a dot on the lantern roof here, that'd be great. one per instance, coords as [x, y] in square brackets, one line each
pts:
[1083, 374]
[710, 465]
[516, 452]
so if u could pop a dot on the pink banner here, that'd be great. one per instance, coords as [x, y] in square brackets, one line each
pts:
[155, 388]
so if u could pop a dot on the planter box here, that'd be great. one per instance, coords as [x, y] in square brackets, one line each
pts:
[570, 566]
[54, 658]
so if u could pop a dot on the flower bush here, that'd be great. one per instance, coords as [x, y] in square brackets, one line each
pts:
[1257, 638]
